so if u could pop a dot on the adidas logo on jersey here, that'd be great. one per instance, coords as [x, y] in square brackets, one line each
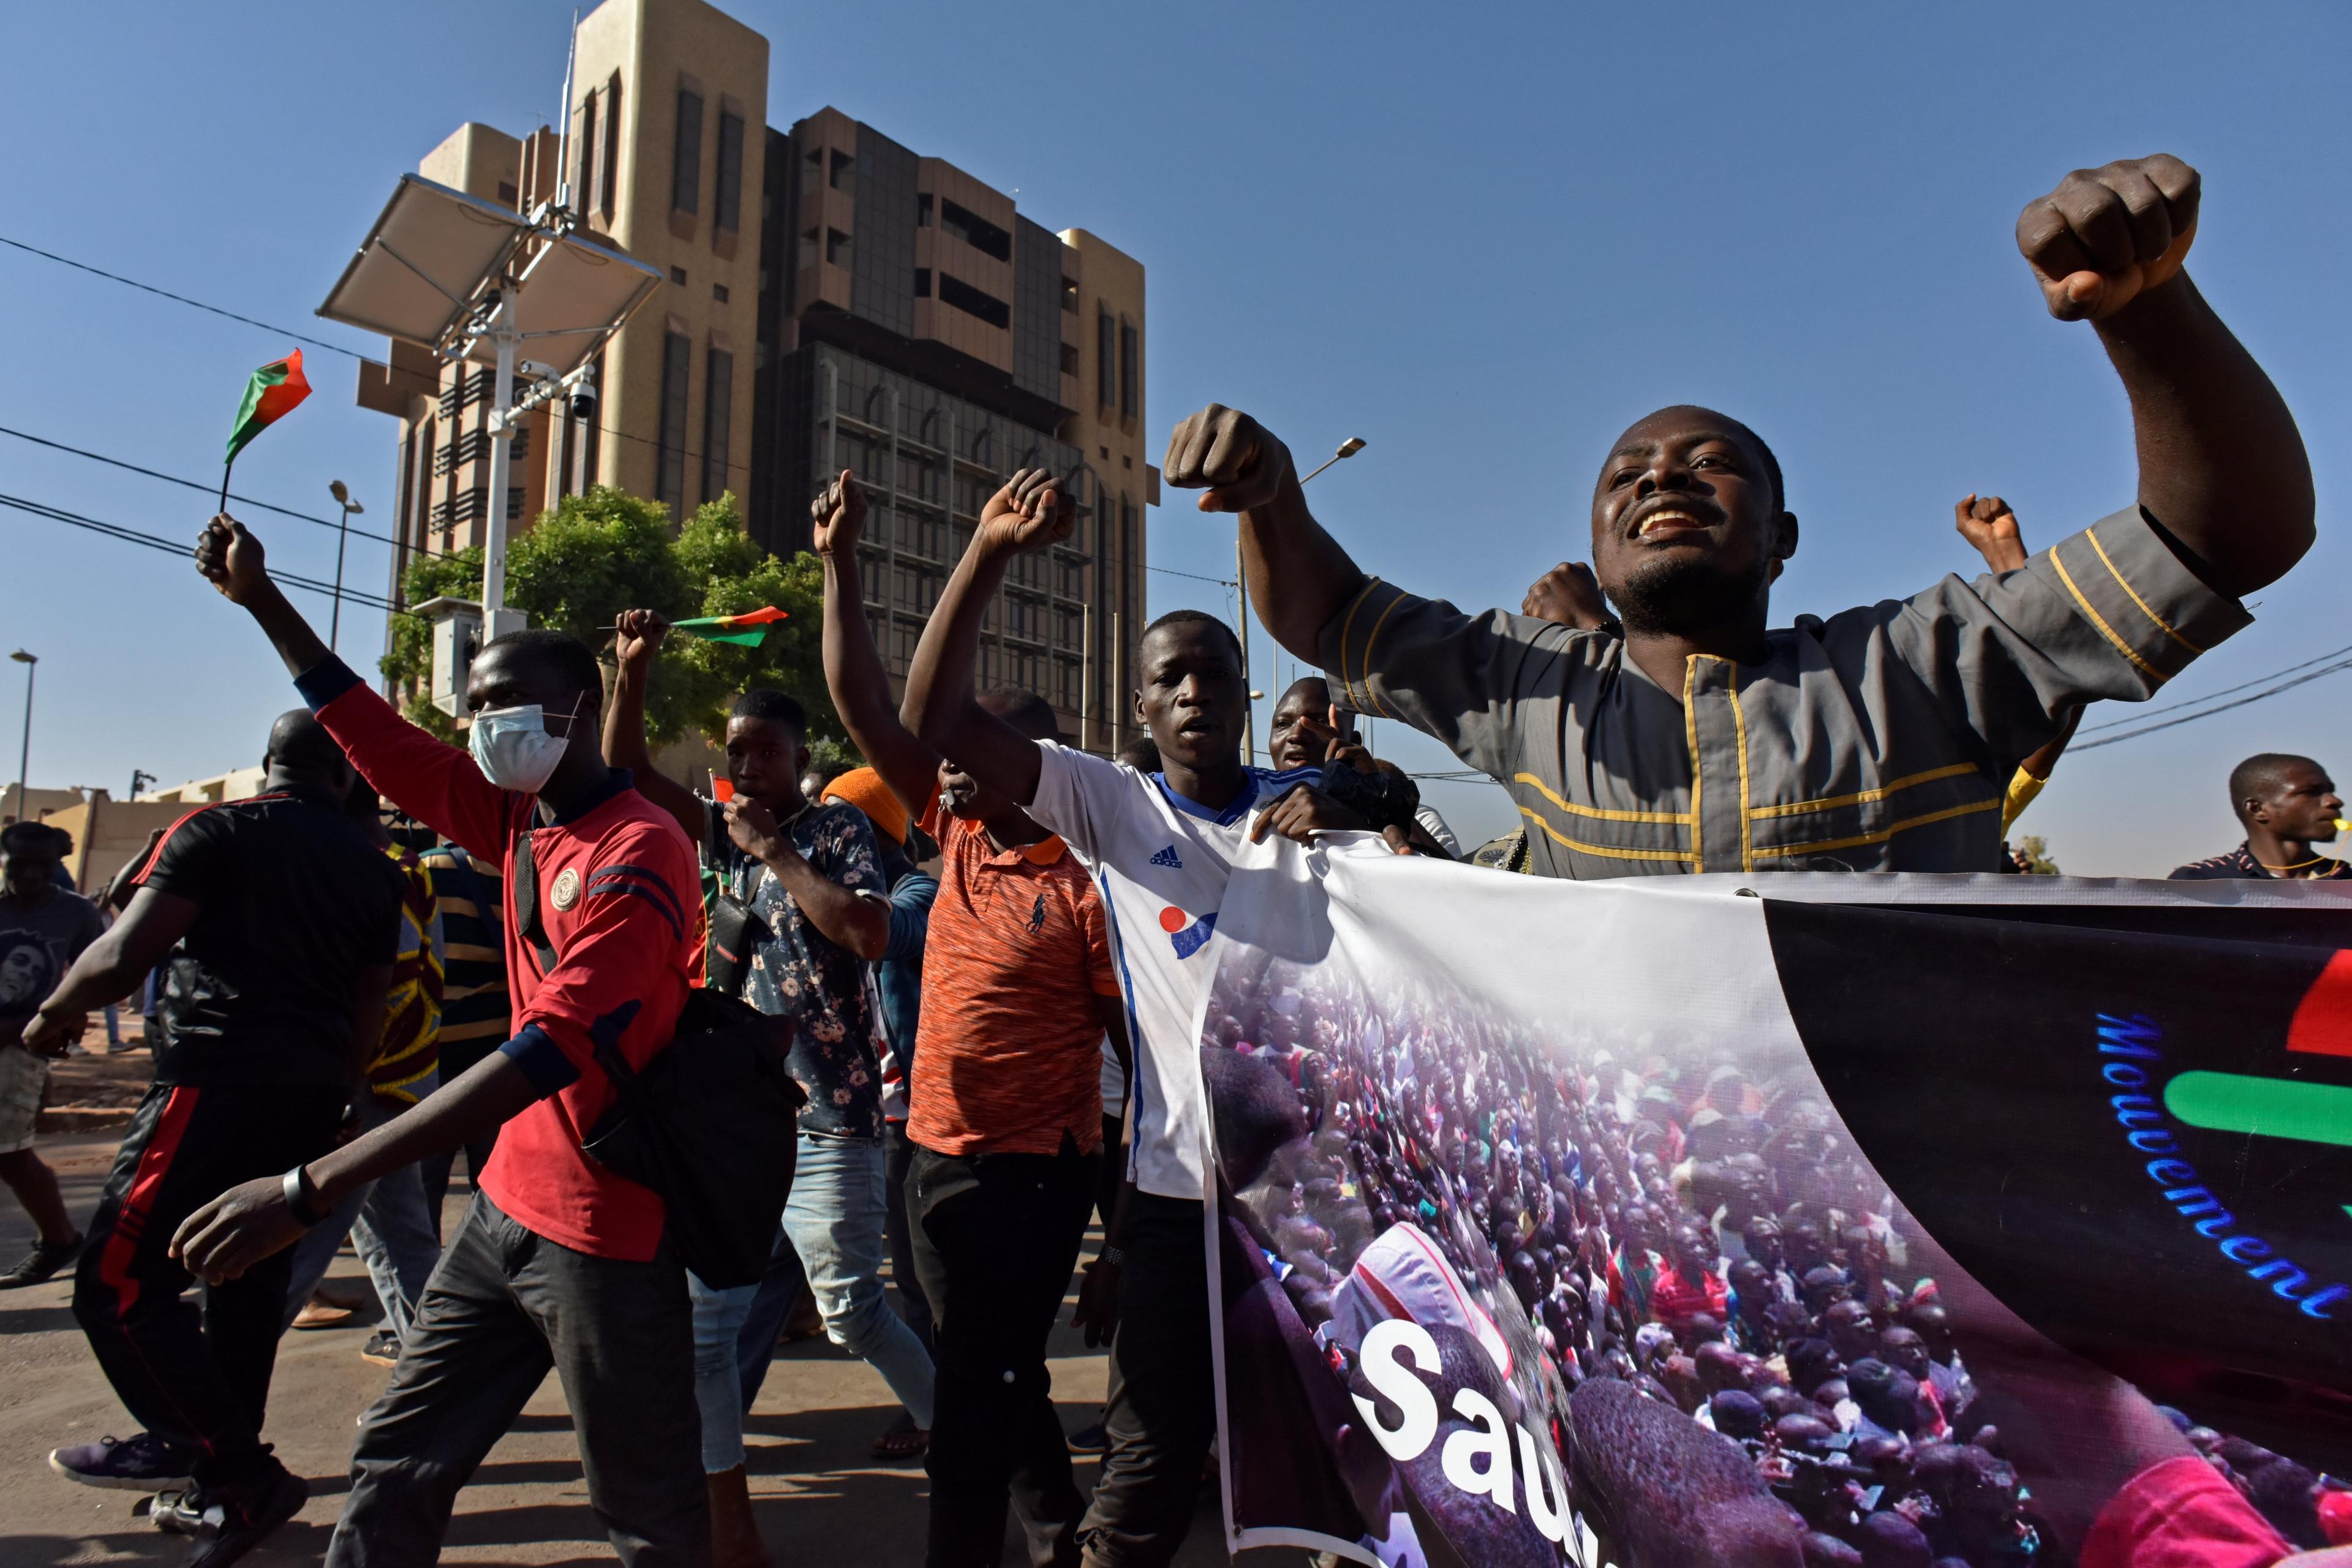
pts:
[1168, 858]
[1187, 935]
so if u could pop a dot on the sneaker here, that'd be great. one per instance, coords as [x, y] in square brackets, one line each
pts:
[1091, 1440]
[231, 1526]
[140, 1462]
[178, 1512]
[383, 1349]
[45, 1258]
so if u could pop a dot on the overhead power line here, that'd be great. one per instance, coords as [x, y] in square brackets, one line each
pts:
[2145, 715]
[177, 298]
[172, 547]
[2289, 685]
[196, 485]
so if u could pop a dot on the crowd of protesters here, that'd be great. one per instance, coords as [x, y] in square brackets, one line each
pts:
[996, 1050]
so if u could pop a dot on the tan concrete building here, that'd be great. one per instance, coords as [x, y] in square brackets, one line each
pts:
[835, 300]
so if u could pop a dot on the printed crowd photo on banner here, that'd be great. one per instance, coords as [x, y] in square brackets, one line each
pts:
[1936, 1221]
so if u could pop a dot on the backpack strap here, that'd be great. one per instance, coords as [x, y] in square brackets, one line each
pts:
[524, 886]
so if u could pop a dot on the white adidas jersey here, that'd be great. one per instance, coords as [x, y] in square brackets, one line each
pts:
[1161, 863]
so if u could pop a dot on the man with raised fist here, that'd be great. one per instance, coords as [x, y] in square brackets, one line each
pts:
[1881, 739]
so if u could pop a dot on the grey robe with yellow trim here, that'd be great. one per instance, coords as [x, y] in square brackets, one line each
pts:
[1878, 739]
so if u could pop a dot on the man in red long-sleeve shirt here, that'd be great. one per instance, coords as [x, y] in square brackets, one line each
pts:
[560, 1262]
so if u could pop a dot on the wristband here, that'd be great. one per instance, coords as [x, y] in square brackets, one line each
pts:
[300, 1195]
[1114, 1256]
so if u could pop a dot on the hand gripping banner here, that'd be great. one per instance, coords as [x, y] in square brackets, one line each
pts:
[1987, 1221]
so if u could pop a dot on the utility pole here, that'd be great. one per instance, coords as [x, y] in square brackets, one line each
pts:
[343, 534]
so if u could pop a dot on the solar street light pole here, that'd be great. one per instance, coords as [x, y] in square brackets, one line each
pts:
[503, 338]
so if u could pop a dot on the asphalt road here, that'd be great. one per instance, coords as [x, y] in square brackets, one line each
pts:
[819, 1495]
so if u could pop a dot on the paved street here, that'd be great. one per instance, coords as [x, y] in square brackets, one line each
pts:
[820, 1498]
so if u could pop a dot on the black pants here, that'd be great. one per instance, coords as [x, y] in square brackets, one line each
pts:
[504, 1306]
[914, 1301]
[1162, 1412]
[996, 1236]
[196, 1373]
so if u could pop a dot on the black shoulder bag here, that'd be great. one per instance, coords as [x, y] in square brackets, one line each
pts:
[711, 1124]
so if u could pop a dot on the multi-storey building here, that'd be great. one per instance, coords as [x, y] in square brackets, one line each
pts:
[836, 300]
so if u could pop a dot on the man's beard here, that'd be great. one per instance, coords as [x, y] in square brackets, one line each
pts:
[1671, 598]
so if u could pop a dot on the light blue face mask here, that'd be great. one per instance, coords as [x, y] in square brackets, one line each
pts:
[514, 749]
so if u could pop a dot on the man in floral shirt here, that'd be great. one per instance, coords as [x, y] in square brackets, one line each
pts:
[811, 881]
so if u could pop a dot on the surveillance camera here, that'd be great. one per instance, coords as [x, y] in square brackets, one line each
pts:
[583, 398]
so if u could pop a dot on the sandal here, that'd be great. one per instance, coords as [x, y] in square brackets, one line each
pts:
[902, 1439]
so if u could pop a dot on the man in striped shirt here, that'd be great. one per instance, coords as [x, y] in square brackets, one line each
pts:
[476, 1015]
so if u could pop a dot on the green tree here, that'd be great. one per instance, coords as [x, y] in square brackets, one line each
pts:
[600, 553]
[2037, 856]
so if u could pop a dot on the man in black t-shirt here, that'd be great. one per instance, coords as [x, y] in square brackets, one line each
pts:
[276, 924]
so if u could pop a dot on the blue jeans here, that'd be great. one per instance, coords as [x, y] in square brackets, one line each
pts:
[390, 1229]
[834, 1222]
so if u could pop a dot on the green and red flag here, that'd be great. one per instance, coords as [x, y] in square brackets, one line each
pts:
[747, 629]
[272, 393]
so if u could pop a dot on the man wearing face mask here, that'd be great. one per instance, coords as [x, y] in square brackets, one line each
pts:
[559, 1263]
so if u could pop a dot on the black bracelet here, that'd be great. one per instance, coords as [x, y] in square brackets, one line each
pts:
[300, 1195]
[1114, 1256]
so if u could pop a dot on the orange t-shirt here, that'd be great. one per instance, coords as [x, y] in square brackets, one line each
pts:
[1008, 1056]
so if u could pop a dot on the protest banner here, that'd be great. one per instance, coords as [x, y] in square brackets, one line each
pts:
[1496, 1157]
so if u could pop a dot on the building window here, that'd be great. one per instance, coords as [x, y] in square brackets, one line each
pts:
[608, 159]
[717, 412]
[808, 249]
[508, 195]
[686, 168]
[1070, 295]
[975, 230]
[923, 210]
[678, 276]
[844, 166]
[1070, 359]
[974, 301]
[726, 202]
[669, 455]
[836, 247]
[922, 282]
[584, 185]
[719, 293]
[1106, 360]
[1130, 372]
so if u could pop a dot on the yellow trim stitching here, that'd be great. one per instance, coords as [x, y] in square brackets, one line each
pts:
[1347, 626]
[1739, 730]
[2100, 621]
[1690, 729]
[1882, 836]
[2093, 535]
[1606, 853]
[1798, 807]
[1370, 639]
[1602, 813]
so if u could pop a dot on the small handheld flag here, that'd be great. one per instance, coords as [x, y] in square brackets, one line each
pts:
[269, 395]
[747, 629]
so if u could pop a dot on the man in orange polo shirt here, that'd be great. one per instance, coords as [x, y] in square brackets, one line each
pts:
[1006, 1104]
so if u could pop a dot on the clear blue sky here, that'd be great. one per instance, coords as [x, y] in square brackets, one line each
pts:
[1483, 239]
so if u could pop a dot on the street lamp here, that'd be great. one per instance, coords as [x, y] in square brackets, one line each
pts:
[25, 753]
[1348, 448]
[335, 488]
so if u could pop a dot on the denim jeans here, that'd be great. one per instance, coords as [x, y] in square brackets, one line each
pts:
[392, 1230]
[833, 1221]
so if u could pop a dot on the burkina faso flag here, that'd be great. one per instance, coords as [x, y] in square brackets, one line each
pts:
[272, 392]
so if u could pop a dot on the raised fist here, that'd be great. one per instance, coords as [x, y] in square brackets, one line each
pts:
[638, 636]
[1568, 595]
[1230, 456]
[1987, 522]
[2106, 236]
[1030, 513]
[838, 516]
[231, 560]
